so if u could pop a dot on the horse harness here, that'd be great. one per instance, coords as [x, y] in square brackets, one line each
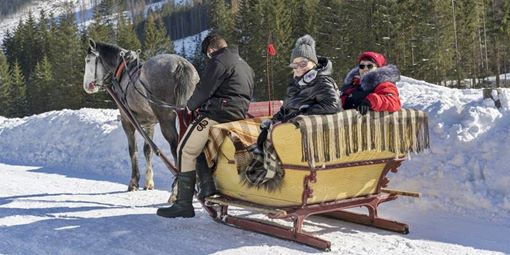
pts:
[129, 61]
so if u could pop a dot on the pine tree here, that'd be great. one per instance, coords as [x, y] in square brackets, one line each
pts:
[198, 58]
[19, 105]
[42, 82]
[499, 34]
[5, 86]
[252, 38]
[30, 46]
[336, 35]
[222, 19]
[279, 25]
[126, 35]
[443, 56]
[101, 30]
[67, 63]
[156, 40]
[305, 16]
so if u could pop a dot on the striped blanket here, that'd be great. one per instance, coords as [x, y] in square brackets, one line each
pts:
[254, 169]
[330, 137]
[243, 133]
[324, 138]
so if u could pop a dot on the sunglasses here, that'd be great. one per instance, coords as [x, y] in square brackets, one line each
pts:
[302, 64]
[369, 66]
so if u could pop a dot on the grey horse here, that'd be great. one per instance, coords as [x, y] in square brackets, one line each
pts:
[165, 79]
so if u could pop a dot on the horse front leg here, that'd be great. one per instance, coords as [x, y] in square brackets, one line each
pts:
[129, 129]
[147, 151]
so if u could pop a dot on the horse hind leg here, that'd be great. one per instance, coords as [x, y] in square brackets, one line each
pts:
[147, 151]
[167, 122]
[129, 129]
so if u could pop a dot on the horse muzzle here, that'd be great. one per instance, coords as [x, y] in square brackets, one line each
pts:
[91, 87]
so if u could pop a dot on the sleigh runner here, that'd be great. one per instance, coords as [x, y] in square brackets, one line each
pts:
[324, 165]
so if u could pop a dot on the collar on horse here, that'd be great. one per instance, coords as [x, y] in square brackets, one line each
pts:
[127, 57]
[119, 70]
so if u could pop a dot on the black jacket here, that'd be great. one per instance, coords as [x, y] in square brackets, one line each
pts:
[314, 93]
[225, 89]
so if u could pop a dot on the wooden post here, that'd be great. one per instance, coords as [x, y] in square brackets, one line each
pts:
[488, 93]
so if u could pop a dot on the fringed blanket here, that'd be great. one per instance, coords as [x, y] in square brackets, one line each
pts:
[329, 137]
[324, 138]
[243, 133]
[259, 170]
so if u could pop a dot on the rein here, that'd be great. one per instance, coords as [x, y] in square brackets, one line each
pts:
[106, 77]
[130, 116]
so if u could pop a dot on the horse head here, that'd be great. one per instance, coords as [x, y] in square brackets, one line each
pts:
[95, 72]
[100, 62]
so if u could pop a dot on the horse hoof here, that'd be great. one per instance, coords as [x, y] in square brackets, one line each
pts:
[132, 188]
[148, 188]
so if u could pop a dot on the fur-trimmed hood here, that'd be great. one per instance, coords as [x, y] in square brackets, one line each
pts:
[324, 68]
[368, 83]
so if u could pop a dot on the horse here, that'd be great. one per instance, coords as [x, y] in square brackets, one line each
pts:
[146, 89]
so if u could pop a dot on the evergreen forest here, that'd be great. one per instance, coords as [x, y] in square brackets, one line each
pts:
[454, 43]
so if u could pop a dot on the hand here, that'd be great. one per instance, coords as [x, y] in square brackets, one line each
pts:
[265, 124]
[188, 111]
[354, 99]
[364, 107]
[304, 108]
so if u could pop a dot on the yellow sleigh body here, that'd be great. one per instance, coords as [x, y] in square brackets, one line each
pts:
[356, 175]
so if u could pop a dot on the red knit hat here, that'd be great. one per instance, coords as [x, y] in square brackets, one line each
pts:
[375, 57]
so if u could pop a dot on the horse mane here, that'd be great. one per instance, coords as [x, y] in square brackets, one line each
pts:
[109, 52]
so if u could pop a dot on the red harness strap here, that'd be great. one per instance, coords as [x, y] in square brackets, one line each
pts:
[120, 68]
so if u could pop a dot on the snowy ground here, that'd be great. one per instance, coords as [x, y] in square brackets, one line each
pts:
[65, 176]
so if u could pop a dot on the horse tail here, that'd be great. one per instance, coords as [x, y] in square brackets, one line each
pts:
[186, 76]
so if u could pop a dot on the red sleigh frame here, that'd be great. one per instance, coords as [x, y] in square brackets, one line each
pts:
[297, 214]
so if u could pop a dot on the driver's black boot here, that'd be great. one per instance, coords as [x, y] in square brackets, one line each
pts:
[183, 206]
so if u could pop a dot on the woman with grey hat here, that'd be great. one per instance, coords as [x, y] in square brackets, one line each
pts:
[311, 90]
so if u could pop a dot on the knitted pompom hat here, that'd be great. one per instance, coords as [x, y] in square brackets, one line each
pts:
[305, 47]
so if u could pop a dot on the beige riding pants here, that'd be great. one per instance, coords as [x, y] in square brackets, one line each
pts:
[193, 143]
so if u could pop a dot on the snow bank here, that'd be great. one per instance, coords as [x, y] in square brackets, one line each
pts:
[465, 172]
[466, 169]
[89, 141]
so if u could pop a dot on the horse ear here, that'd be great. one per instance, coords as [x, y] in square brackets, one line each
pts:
[92, 44]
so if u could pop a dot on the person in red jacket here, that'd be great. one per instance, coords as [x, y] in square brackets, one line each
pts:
[371, 85]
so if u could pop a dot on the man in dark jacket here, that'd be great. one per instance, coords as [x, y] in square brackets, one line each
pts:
[312, 90]
[223, 95]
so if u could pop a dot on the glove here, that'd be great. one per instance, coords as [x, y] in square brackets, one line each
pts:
[354, 99]
[265, 124]
[364, 106]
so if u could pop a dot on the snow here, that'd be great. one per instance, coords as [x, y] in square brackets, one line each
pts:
[188, 45]
[56, 6]
[65, 176]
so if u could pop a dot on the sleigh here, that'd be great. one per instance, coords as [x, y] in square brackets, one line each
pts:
[325, 168]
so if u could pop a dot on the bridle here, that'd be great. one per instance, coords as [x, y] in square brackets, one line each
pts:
[99, 60]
